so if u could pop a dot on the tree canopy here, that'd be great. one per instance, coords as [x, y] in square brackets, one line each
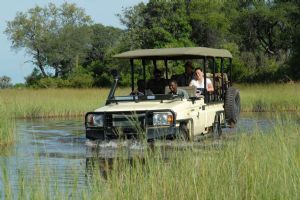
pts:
[64, 43]
[55, 37]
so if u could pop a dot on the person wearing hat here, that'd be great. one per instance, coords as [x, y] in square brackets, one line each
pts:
[185, 78]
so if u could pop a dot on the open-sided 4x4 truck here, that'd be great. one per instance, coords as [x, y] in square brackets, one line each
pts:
[164, 115]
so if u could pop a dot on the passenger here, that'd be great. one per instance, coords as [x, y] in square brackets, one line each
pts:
[141, 89]
[177, 91]
[157, 85]
[185, 78]
[198, 82]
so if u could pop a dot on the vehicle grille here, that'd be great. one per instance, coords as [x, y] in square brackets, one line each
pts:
[126, 122]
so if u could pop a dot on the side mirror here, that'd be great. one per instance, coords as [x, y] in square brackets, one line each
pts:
[115, 73]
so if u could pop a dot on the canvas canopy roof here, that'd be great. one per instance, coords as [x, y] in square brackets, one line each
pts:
[169, 53]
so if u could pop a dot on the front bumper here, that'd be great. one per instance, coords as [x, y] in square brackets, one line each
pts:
[143, 128]
[149, 133]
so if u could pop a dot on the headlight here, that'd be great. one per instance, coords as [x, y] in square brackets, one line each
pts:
[96, 120]
[162, 119]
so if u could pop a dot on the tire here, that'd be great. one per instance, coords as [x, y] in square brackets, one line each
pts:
[184, 132]
[232, 106]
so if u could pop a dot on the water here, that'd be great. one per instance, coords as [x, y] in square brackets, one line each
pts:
[59, 148]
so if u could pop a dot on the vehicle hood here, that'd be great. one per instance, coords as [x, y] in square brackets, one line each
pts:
[144, 106]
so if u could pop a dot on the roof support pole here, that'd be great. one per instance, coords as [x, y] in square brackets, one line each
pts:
[132, 74]
[166, 67]
[230, 76]
[204, 72]
[222, 77]
[214, 79]
[144, 73]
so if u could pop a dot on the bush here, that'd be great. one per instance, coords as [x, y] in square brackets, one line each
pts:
[19, 85]
[51, 83]
[81, 78]
[81, 81]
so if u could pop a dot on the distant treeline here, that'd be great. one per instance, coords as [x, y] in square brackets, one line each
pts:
[70, 50]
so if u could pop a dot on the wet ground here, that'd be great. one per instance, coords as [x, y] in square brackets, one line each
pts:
[60, 146]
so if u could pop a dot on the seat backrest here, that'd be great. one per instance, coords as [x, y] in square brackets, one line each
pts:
[191, 90]
[218, 79]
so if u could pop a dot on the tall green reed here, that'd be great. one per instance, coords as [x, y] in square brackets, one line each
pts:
[270, 97]
[7, 126]
[258, 165]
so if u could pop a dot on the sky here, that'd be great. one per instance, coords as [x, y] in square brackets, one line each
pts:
[16, 65]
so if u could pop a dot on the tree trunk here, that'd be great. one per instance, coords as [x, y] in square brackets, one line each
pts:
[40, 63]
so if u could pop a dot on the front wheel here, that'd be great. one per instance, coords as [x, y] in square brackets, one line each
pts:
[184, 132]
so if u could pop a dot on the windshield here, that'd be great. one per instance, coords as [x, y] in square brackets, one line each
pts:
[138, 98]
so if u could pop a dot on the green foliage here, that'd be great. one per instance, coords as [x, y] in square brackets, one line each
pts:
[52, 83]
[156, 25]
[33, 78]
[80, 78]
[210, 22]
[19, 85]
[102, 40]
[294, 64]
[55, 37]
[263, 37]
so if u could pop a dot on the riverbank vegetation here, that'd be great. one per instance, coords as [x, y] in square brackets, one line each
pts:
[49, 103]
[39, 103]
[70, 50]
[269, 97]
[260, 165]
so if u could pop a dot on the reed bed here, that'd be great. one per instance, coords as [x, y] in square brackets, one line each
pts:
[261, 165]
[270, 97]
[34, 103]
[42, 103]
[7, 126]
[45, 103]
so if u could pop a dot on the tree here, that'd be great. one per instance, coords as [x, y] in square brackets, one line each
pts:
[157, 24]
[268, 27]
[5, 82]
[103, 38]
[55, 37]
[294, 62]
[210, 21]
[98, 61]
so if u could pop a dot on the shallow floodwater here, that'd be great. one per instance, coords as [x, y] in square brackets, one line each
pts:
[60, 148]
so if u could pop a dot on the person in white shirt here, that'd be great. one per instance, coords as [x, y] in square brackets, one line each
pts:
[198, 82]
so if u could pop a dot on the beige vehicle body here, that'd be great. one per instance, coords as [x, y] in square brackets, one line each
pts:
[163, 115]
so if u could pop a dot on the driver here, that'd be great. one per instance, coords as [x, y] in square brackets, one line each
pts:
[177, 91]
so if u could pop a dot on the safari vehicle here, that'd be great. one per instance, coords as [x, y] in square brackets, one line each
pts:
[164, 115]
